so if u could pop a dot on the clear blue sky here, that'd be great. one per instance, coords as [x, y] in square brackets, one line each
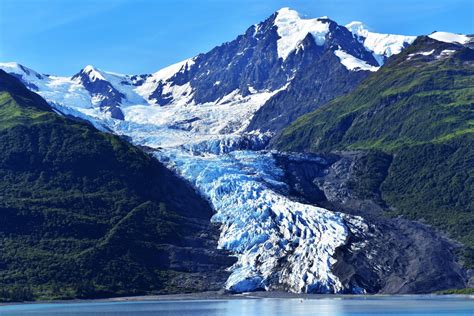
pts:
[141, 36]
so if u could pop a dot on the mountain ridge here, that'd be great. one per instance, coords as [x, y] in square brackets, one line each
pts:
[254, 60]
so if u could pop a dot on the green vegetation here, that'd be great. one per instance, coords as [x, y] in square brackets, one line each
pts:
[416, 117]
[466, 291]
[404, 104]
[370, 172]
[83, 213]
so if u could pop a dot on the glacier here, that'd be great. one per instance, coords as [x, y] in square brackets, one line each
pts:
[280, 244]
[447, 37]
[382, 46]
[352, 63]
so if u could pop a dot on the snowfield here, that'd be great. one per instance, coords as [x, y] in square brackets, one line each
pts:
[353, 63]
[382, 46]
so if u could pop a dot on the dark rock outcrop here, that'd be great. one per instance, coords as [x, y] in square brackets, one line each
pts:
[393, 255]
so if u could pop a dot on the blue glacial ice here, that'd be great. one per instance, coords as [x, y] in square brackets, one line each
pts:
[279, 243]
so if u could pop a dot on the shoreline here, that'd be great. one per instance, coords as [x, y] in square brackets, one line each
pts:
[214, 295]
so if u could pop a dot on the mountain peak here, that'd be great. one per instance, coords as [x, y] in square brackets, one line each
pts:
[287, 12]
[88, 68]
[292, 29]
[93, 73]
[17, 68]
[12, 64]
[358, 28]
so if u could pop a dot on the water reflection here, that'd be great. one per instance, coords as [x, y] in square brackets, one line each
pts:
[391, 305]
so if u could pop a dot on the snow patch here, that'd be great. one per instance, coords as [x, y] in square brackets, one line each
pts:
[445, 53]
[450, 37]
[410, 56]
[353, 63]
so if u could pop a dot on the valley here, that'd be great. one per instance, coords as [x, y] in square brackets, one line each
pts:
[292, 194]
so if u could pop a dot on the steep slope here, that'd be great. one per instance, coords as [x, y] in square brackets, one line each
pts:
[418, 108]
[423, 95]
[332, 68]
[85, 214]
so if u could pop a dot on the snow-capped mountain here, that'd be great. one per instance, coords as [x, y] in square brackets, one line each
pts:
[202, 116]
[336, 60]
[266, 59]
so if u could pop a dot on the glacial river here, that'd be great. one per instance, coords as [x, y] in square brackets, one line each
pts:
[337, 306]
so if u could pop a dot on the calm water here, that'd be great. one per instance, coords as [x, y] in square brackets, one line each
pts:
[396, 305]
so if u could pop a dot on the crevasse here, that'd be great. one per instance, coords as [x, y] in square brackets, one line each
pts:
[279, 243]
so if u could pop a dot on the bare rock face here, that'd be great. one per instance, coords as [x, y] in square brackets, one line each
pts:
[391, 255]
